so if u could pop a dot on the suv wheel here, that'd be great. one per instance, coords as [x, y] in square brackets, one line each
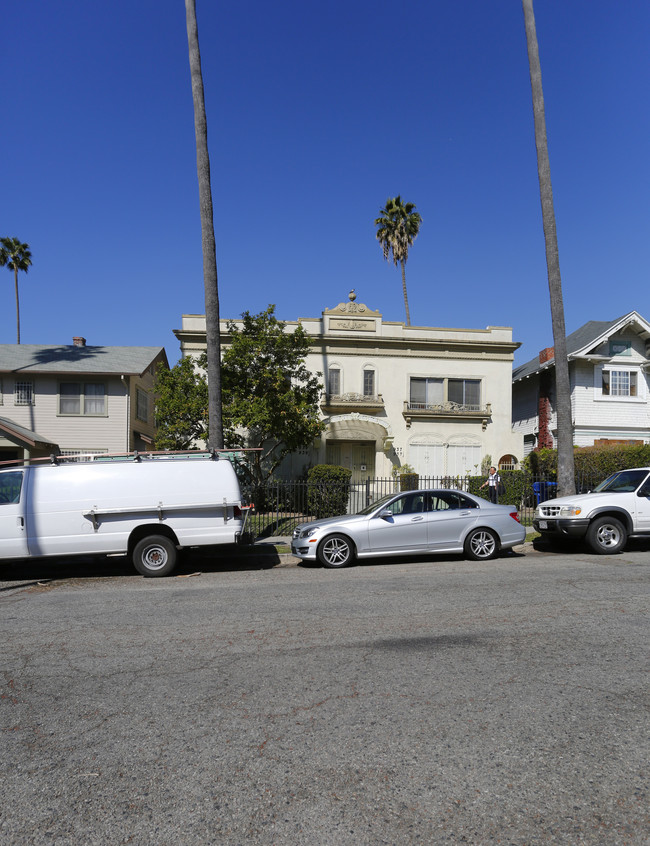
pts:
[606, 536]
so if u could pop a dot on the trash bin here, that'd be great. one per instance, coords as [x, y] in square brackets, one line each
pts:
[544, 491]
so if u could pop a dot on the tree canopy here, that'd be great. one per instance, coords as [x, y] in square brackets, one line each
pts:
[16, 256]
[181, 404]
[397, 228]
[270, 398]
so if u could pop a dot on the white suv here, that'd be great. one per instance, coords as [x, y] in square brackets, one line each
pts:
[617, 509]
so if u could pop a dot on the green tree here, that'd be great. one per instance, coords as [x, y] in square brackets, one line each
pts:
[15, 256]
[181, 404]
[270, 397]
[397, 228]
[565, 470]
[210, 281]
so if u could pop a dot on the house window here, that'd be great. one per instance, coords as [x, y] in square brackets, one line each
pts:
[507, 462]
[426, 392]
[466, 392]
[619, 383]
[87, 399]
[24, 393]
[429, 392]
[620, 348]
[142, 405]
[334, 382]
[368, 383]
[81, 455]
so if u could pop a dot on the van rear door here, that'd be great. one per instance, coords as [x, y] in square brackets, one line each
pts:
[13, 534]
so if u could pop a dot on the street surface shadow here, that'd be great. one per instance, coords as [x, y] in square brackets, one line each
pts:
[424, 558]
[433, 643]
[56, 569]
[209, 560]
[565, 546]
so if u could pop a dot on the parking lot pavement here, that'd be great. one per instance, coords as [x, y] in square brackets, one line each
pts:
[401, 702]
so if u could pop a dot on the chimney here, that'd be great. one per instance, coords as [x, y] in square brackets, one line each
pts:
[546, 355]
[79, 342]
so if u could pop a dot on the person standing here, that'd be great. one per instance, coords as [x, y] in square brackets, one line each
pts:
[493, 482]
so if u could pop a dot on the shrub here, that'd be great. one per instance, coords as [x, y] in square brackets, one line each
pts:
[328, 489]
[409, 481]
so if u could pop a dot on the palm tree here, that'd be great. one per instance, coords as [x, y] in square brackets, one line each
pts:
[210, 281]
[565, 463]
[397, 228]
[15, 256]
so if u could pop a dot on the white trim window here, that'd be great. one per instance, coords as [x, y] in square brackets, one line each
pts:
[369, 383]
[616, 383]
[82, 399]
[24, 393]
[334, 382]
[619, 383]
[141, 405]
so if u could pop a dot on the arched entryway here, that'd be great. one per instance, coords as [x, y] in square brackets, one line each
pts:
[358, 442]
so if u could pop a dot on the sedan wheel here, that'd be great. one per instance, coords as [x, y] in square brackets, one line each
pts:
[335, 551]
[481, 545]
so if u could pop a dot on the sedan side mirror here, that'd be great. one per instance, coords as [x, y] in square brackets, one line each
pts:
[385, 513]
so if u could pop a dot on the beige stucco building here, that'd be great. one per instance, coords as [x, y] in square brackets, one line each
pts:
[436, 399]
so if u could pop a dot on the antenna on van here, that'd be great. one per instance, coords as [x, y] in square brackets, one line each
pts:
[136, 455]
[54, 459]
[214, 455]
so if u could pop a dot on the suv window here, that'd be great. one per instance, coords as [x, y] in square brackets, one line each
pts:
[623, 482]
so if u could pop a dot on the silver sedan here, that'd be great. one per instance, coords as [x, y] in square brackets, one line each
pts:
[412, 523]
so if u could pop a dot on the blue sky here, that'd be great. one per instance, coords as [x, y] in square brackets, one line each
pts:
[317, 112]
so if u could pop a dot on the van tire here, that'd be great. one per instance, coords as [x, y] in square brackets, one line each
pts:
[155, 555]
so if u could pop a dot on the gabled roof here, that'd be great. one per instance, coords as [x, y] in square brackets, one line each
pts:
[14, 432]
[33, 358]
[583, 339]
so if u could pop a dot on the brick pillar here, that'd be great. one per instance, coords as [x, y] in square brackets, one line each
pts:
[544, 410]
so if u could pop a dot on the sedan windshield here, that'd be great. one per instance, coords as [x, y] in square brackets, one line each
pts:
[376, 504]
[623, 482]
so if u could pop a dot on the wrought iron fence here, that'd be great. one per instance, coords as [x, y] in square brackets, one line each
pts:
[281, 504]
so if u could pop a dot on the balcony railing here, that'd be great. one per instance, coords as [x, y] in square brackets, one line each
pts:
[425, 410]
[352, 401]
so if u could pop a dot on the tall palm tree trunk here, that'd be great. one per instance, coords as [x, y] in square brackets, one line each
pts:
[210, 282]
[565, 462]
[406, 299]
[17, 305]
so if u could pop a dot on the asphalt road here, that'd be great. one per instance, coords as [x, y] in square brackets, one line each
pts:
[432, 702]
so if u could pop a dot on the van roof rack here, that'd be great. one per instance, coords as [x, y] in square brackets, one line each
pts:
[135, 455]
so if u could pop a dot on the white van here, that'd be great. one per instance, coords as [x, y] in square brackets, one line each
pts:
[147, 506]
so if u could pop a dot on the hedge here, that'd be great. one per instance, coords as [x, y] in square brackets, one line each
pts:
[594, 462]
[328, 489]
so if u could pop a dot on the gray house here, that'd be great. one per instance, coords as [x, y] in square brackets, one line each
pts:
[76, 399]
[609, 362]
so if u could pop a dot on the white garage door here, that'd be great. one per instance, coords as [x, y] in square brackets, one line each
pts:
[463, 458]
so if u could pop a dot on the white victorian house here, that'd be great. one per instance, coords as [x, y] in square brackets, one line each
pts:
[436, 399]
[609, 363]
